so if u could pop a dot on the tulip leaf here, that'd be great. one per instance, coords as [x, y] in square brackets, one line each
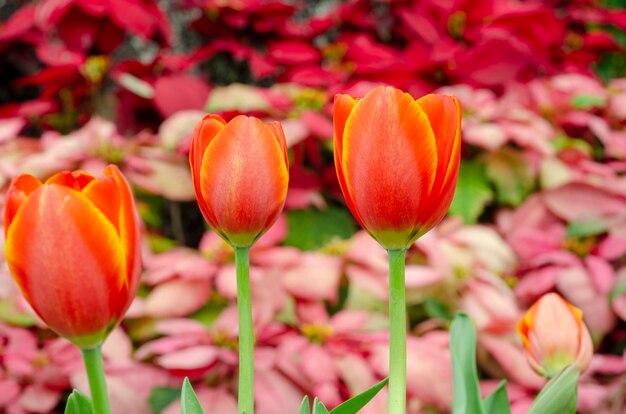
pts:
[161, 397]
[189, 403]
[304, 407]
[472, 192]
[78, 403]
[354, 404]
[511, 175]
[463, 350]
[311, 229]
[559, 396]
[498, 401]
[586, 102]
[318, 407]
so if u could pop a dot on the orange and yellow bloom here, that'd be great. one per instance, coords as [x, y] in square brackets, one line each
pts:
[73, 247]
[555, 336]
[397, 161]
[240, 173]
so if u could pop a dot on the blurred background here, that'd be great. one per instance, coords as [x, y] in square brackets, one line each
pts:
[540, 204]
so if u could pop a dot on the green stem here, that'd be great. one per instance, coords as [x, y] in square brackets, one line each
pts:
[246, 332]
[397, 333]
[97, 381]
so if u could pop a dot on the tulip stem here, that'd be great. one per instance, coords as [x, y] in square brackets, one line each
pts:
[97, 381]
[397, 333]
[246, 332]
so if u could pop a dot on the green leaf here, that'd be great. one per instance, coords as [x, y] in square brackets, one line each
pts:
[511, 175]
[586, 228]
[311, 229]
[618, 290]
[472, 192]
[584, 102]
[161, 397]
[189, 403]
[78, 403]
[304, 407]
[354, 404]
[318, 407]
[463, 350]
[559, 396]
[137, 86]
[437, 309]
[498, 401]
[10, 314]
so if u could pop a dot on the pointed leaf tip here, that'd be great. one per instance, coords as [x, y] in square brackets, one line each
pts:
[189, 403]
[78, 403]
[354, 404]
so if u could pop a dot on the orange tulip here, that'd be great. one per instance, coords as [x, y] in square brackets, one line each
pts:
[554, 336]
[73, 247]
[397, 161]
[240, 174]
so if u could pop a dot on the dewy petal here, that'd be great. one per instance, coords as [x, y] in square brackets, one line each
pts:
[21, 187]
[244, 179]
[65, 256]
[388, 186]
[206, 130]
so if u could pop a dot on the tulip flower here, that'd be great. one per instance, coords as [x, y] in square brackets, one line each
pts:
[397, 161]
[73, 247]
[240, 173]
[554, 336]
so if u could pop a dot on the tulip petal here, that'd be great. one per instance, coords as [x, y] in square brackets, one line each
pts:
[243, 180]
[444, 114]
[71, 293]
[278, 132]
[129, 237]
[104, 194]
[76, 180]
[344, 104]
[21, 187]
[389, 192]
[206, 130]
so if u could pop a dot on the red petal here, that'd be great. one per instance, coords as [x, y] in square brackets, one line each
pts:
[21, 187]
[278, 132]
[205, 131]
[389, 160]
[66, 258]
[76, 180]
[244, 180]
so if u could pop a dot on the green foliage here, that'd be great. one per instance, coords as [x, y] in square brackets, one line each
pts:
[472, 192]
[511, 175]
[352, 406]
[559, 396]
[463, 351]
[189, 403]
[161, 397]
[585, 228]
[498, 401]
[10, 314]
[437, 309]
[586, 102]
[311, 229]
[78, 403]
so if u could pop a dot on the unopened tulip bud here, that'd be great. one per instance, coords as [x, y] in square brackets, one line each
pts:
[554, 336]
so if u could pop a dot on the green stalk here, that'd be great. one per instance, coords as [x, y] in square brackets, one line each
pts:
[246, 332]
[397, 333]
[97, 381]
